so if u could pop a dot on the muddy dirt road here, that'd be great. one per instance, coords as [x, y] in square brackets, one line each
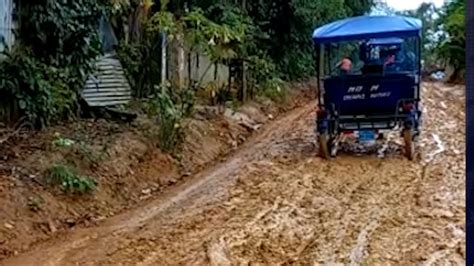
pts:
[274, 202]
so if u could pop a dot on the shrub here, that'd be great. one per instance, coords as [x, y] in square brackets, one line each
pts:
[55, 51]
[265, 80]
[170, 116]
[66, 178]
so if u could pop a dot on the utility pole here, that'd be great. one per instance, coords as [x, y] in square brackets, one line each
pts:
[164, 62]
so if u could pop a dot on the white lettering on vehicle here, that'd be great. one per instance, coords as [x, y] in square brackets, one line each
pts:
[356, 93]
[374, 88]
[354, 97]
[380, 95]
[355, 89]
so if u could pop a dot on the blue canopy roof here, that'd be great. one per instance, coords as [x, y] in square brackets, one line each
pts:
[385, 41]
[368, 27]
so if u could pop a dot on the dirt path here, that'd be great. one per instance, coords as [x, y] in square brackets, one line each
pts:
[275, 202]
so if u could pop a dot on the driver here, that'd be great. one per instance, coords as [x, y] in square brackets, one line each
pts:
[389, 60]
[410, 61]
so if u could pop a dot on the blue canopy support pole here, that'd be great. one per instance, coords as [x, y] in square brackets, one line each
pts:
[321, 52]
[318, 72]
[418, 64]
[328, 62]
[418, 42]
[418, 47]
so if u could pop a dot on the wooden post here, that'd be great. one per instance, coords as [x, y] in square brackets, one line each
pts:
[190, 78]
[215, 71]
[244, 81]
[198, 65]
[178, 57]
[164, 62]
[230, 76]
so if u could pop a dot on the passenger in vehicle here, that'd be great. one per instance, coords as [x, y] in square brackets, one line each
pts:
[345, 65]
[390, 63]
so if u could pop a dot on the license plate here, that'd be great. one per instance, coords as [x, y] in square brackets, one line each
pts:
[366, 135]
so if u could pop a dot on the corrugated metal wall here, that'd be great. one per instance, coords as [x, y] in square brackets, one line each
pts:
[109, 86]
[8, 108]
[6, 23]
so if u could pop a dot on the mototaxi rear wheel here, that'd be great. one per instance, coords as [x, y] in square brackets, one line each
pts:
[409, 140]
[325, 146]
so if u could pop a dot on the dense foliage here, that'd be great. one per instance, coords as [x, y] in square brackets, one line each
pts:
[277, 30]
[427, 13]
[282, 29]
[444, 39]
[57, 43]
[452, 47]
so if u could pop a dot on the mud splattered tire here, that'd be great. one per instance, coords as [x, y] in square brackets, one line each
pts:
[408, 138]
[324, 146]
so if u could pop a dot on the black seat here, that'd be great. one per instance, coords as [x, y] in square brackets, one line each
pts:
[372, 68]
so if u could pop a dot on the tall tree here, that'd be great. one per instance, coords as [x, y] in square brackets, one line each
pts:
[427, 13]
[452, 47]
[289, 25]
[282, 28]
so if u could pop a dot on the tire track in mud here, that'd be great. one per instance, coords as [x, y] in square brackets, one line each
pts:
[275, 203]
[114, 234]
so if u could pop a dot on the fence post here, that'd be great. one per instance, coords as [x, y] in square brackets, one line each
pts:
[163, 58]
[244, 81]
[177, 55]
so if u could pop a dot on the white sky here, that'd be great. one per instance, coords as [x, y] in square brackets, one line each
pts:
[400, 5]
